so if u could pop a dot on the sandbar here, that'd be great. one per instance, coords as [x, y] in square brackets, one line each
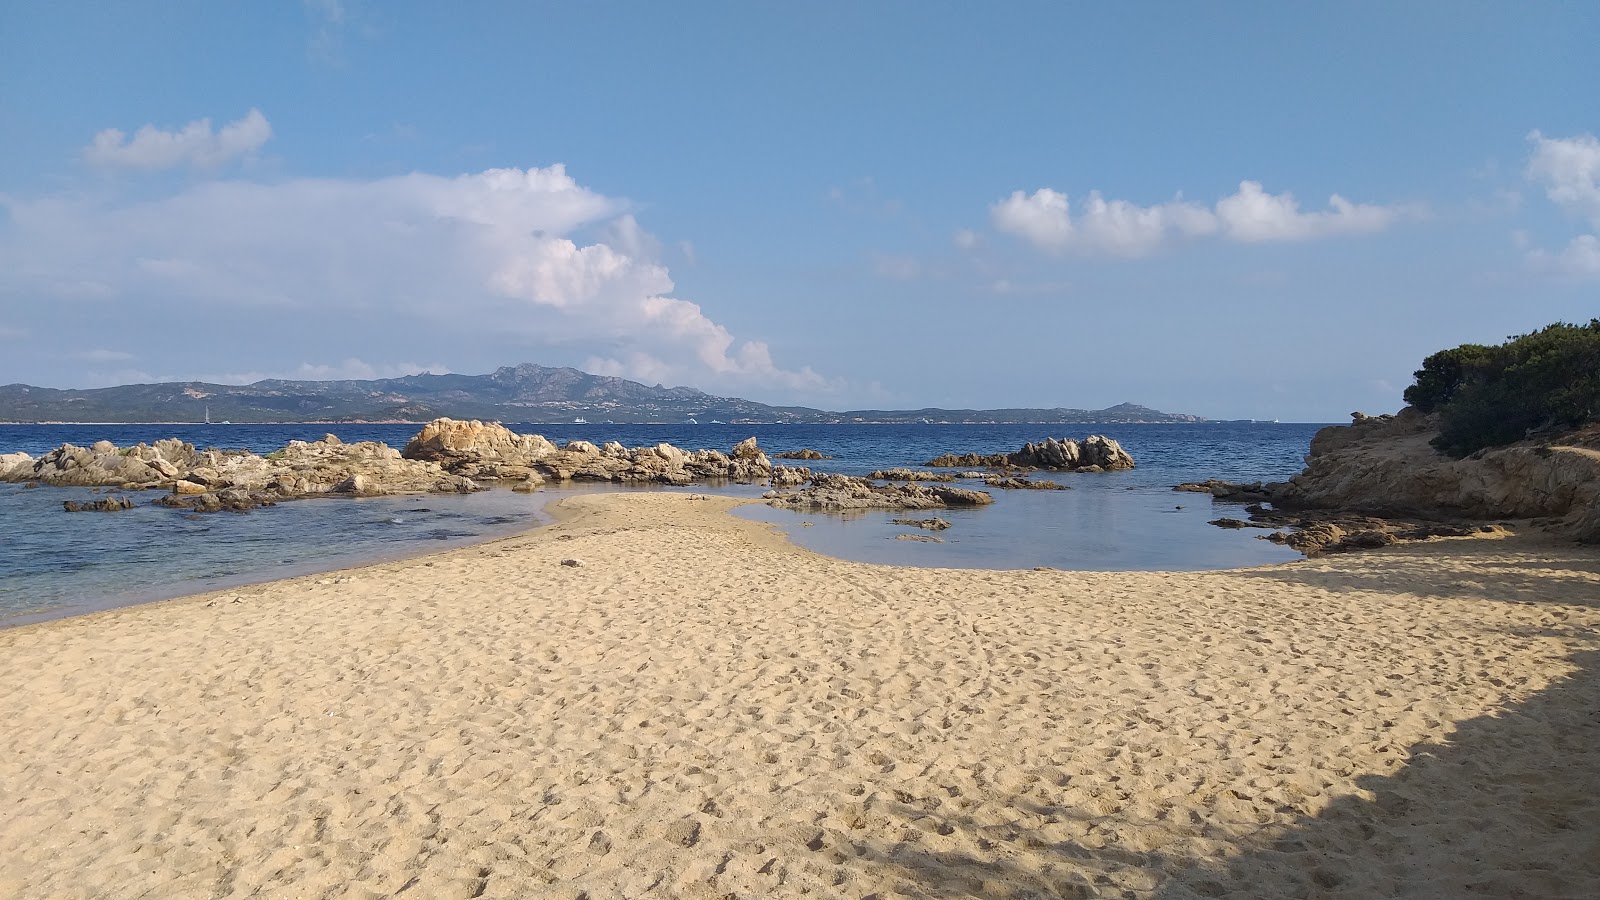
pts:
[700, 709]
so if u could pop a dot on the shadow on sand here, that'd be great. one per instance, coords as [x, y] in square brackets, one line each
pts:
[1508, 806]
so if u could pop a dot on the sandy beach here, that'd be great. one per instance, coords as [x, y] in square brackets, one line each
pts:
[701, 709]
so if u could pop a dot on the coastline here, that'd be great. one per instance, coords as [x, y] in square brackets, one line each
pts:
[701, 708]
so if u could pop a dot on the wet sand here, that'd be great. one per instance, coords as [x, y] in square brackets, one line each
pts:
[700, 709]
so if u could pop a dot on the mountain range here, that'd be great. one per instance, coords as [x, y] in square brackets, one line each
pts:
[524, 394]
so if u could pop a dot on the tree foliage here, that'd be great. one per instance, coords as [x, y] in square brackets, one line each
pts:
[1488, 396]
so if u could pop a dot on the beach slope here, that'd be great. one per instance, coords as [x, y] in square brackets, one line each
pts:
[700, 709]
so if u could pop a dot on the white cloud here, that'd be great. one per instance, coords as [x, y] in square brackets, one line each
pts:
[104, 356]
[1579, 259]
[1252, 214]
[195, 144]
[446, 262]
[1120, 228]
[966, 239]
[1569, 169]
[12, 333]
[896, 268]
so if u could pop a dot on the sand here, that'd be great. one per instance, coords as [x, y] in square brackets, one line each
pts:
[701, 709]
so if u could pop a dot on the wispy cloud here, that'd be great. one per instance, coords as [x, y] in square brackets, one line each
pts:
[103, 356]
[328, 17]
[195, 144]
[1104, 227]
[1569, 171]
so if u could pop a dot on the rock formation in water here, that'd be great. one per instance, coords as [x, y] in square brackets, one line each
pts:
[910, 475]
[1381, 474]
[490, 450]
[1095, 453]
[300, 469]
[805, 453]
[839, 492]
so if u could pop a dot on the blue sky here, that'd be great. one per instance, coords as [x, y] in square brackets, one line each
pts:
[1246, 210]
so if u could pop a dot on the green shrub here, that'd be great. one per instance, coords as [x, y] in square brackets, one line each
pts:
[1488, 396]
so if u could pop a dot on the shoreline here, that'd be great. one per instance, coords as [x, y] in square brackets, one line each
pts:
[702, 708]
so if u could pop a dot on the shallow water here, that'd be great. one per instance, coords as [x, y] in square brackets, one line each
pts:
[54, 563]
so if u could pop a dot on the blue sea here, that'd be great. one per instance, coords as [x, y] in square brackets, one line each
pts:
[54, 563]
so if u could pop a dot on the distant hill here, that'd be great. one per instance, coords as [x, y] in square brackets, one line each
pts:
[520, 394]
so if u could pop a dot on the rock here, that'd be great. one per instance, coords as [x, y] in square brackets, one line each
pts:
[1384, 466]
[571, 563]
[1094, 453]
[1238, 523]
[789, 476]
[849, 492]
[298, 469]
[746, 449]
[925, 538]
[805, 453]
[910, 475]
[19, 463]
[477, 449]
[1231, 491]
[1014, 483]
[107, 504]
[359, 485]
[934, 524]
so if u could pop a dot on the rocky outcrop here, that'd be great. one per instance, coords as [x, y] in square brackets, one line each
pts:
[490, 450]
[838, 492]
[1095, 453]
[300, 469]
[1385, 466]
[804, 453]
[478, 450]
[1378, 481]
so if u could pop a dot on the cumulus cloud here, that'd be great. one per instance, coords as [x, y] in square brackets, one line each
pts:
[492, 258]
[1119, 228]
[1569, 170]
[195, 144]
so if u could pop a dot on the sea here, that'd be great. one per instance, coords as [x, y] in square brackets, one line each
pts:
[55, 564]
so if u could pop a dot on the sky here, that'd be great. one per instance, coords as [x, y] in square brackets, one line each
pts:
[1243, 210]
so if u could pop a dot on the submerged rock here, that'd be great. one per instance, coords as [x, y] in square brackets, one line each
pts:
[850, 492]
[108, 504]
[804, 453]
[910, 475]
[933, 524]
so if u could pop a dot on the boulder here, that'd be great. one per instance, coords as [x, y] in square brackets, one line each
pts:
[20, 463]
[477, 449]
